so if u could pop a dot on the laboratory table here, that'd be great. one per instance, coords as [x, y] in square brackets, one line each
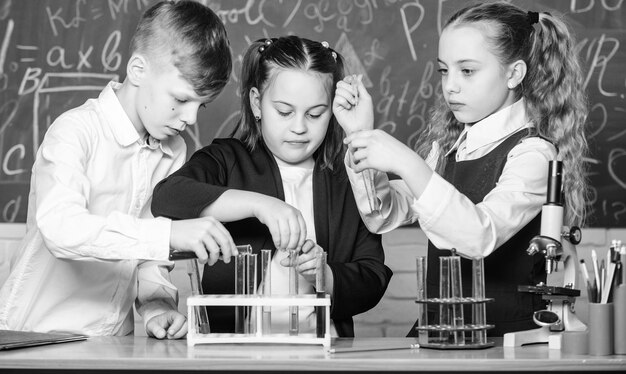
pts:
[132, 354]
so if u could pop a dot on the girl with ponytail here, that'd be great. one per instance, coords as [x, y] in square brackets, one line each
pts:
[280, 184]
[512, 100]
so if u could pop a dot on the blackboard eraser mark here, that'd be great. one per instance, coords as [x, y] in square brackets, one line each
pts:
[96, 13]
[352, 62]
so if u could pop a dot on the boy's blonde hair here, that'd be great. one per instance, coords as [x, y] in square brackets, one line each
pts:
[192, 38]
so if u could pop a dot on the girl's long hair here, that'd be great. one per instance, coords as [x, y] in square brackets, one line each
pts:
[552, 90]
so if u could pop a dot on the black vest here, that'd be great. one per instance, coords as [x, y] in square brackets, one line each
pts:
[509, 265]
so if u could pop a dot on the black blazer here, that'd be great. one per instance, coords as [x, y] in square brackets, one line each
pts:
[354, 254]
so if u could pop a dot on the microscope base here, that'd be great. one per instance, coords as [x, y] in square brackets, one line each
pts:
[534, 336]
[519, 338]
[568, 321]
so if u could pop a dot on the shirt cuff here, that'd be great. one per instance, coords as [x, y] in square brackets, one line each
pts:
[430, 203]
[156, 234]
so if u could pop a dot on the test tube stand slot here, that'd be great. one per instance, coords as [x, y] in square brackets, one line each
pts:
[195, 337]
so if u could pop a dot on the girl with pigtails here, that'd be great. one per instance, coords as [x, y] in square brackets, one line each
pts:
[280, 184]
[512, 100]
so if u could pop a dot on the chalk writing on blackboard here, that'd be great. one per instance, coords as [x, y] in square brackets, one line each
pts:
[55, 54]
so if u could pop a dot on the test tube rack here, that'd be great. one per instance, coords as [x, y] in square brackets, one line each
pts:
[439, 336]
[194, 336]
[451, 331]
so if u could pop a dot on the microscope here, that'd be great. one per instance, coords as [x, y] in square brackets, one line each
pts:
[556, 243]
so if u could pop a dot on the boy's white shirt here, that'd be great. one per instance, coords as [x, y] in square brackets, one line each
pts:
[448, 218]
[92, 246]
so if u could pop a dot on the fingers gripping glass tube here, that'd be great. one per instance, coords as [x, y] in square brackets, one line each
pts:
[293, 290]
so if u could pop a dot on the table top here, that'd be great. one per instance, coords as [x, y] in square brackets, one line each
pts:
[142, 353]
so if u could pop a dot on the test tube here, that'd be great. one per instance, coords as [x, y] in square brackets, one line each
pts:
[478, 292]
[368, 180]
[202, 317]
[251, 266]
[420, 262]
[457, 293]
[240, 289]
[266, 290]
[247, 248]
[240, 284]
[444, 294]
[293, 290]
[320, 291]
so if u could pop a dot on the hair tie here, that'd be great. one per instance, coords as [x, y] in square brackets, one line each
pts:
[266, 44]
[533, 17]
[332, 53]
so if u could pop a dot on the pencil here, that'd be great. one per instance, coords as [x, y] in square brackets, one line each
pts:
[608, 283]
[596, 272]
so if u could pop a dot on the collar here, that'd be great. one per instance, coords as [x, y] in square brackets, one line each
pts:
[122, 127]
[494, 128]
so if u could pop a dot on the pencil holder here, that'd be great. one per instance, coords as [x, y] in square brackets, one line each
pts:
[619, 327]
[600, 329]
[452, 331]
[575, 342]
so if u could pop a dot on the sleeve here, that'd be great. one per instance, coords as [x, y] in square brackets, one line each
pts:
[155, 292]
[476, 230]
[61, 195]
[393, 198]
[193, 187]
[360, 282]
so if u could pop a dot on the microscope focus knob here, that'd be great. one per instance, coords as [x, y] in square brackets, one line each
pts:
[574, 235]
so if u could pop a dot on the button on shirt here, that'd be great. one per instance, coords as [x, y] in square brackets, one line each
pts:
[92, 246]
[447, 217]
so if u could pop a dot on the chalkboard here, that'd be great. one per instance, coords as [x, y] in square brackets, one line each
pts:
[54, 54]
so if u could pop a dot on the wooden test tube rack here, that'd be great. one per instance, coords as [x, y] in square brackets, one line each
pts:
[195, 337]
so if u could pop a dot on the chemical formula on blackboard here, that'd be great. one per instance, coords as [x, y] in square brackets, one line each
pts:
[55, 54]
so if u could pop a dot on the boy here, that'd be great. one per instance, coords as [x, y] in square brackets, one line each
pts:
[92, 246]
